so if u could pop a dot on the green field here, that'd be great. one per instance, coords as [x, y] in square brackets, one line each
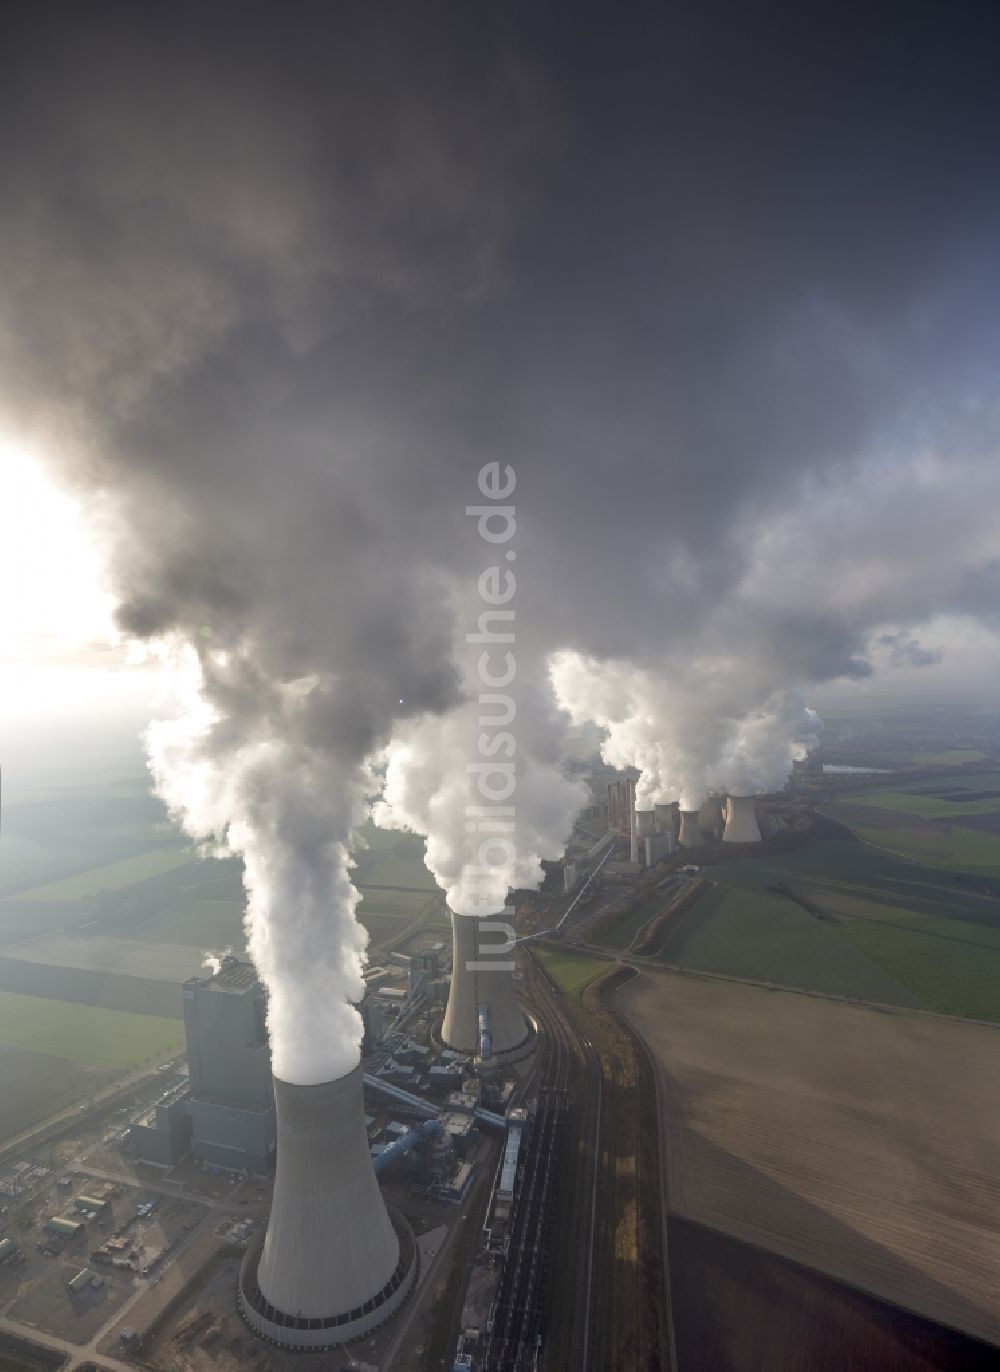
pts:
[572, 972]
[114, 877]
[864, 872]
[951, 757]
[387, 857]
[621, 934]
[960, 850]
[926, 806]
[951, 968]
[762, 937]
[925, 927]
[84, 1033]
[212, 924]
[950, 797]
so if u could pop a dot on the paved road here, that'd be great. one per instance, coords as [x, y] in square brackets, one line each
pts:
[22, 1142]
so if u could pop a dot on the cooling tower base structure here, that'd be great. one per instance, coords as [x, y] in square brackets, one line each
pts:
[741, 821]
[690, 834]
[333, 1265]
[482, 974]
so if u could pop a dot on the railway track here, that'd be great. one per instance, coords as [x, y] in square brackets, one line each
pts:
[524, 1295]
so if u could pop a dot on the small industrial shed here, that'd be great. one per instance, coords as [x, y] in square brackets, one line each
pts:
[64, 1226]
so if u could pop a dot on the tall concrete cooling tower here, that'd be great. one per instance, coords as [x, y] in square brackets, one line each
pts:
[482, 975]
[663, 818]
[690, 834]
[741, 821]
[645, 823]
[711, 820]
[333, 1264]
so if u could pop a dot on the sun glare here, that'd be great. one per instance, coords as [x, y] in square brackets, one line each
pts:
[53, 601]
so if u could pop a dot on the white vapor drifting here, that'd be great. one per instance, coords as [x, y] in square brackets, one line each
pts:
[256, 783]
[429, 790]
[689, 729]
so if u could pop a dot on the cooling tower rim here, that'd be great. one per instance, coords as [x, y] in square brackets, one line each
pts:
[515, 1054]
[303, 1092]
[291, 1331]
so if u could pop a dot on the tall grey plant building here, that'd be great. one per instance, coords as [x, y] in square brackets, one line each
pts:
[226, 1117]
[232, 1094]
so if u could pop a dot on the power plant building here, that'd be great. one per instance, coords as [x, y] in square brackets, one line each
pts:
[333, 1265]
[482, 977]
[656, 847]
[621, 803]
[224, 1115]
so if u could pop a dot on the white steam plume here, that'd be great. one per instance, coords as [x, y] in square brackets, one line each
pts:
[689, 730]
[256, 782]
[428, 789]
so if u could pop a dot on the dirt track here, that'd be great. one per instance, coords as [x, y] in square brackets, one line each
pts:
[864, 1144]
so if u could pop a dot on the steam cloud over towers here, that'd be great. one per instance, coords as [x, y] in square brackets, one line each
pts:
[274, 290]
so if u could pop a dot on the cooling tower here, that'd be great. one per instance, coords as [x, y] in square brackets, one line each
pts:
[333, 1265]
[690, 834]
[482, 974]
[645, 823]
[663, 819]
[741, 821]
[711, 818]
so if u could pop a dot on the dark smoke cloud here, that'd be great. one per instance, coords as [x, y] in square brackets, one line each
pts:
[720, 282]
[906, 651]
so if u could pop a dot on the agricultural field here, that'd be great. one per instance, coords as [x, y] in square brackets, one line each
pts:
[769, 938]
[950, 757]
[572, 972]
[85, 986]
[949, 819]
[54, 825]
[36, 1085]
[199, 923]
[859, 1143]
[114, 877]
[112, 1039]
[958, 850]
[933, 933]
[736, 1307]
[387, 858]
[121, 956]
[623, 932]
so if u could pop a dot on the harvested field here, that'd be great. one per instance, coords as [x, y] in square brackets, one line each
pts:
[860, 1143]
[113, 877]
[737, 1309]
[36, 1085]
[108, 991]
[199, 923]
[88, 951]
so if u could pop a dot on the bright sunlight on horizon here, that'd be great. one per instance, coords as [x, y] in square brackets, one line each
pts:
[59, 649]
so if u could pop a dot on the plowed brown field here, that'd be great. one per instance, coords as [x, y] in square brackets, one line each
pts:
[864, 1144]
